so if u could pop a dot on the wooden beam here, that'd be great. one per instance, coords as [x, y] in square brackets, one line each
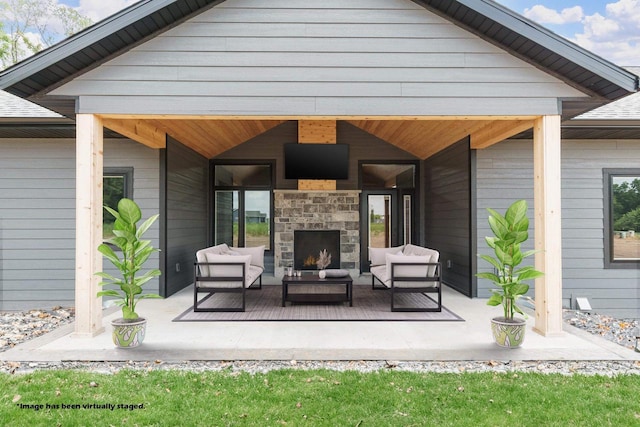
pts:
[139, 130]
[317, 131]
[89, 171]
[498, 131]
[547, 226]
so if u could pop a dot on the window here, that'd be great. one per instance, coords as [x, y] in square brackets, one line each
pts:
[622, 218]
[117, 183]
[242, 198]
[388, 175]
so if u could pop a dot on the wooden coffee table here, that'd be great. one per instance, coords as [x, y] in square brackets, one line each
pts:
[317, 297]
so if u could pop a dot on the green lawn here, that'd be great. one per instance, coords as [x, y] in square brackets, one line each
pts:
[316, 398]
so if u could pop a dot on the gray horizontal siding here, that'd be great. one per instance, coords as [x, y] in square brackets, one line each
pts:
[37, 216]
[319, 105]
[356, 57]
[505, 173]
[188, 73]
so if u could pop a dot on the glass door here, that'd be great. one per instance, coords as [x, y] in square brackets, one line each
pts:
[257, 220]
[388, 218]
[243, 218]
[387, 207]
[227, 212]
[379, 224]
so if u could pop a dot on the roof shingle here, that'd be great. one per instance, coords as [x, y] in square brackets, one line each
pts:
[12, 106]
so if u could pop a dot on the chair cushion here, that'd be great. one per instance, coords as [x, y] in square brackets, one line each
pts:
[253, 273]
[409, 270]
[201, 256]
[227, 270]
[377, 255]
[421, 251]
[380, 272]
[256, 252]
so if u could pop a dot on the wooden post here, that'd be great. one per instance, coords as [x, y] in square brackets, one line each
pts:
[548, 226]
[89, 171]
[318, 131]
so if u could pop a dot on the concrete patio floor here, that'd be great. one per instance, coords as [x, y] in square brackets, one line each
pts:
[404, 340]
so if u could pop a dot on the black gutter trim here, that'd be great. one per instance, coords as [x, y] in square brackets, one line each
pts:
[550, 40]
[541, 36]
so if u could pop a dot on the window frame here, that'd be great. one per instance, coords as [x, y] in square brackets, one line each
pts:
[271, 163]
[126, 173]
[608, 175]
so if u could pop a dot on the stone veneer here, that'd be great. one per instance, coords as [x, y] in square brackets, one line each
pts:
[317, 210]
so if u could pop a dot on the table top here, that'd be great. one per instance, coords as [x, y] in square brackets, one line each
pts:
[314, 278]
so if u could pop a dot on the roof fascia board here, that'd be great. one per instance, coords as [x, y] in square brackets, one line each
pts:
[613, 123]
[548, 39]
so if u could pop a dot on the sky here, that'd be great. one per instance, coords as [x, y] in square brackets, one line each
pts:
[609, 28]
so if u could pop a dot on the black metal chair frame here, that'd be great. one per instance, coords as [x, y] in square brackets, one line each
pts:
[413, 290]
[211, 290]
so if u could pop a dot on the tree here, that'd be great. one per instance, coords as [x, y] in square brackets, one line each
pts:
[628, 221]
[626, 200]
[5, 43]
[33, 25]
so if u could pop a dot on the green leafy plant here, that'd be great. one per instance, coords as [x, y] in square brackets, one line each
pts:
[135, 252]
[510, 231]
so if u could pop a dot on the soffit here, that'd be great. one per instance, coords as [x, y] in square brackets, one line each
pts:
[208, 137]
[422, 137]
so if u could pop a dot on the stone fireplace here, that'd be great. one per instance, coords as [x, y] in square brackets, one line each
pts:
[331, 210]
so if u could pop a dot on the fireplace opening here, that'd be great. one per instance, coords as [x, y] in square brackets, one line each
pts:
[316, 249]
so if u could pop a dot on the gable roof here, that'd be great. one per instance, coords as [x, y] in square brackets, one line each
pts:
[81, 52]
[624, 109]
[93, 45]
[13, 107]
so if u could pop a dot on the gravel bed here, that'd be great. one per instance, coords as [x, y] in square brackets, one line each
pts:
[619, 331]
[21, 326]
[17, 327]
[604, 368]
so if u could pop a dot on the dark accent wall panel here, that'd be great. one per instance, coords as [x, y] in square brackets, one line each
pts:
[186, 221]
[448, 213]
[270, 146]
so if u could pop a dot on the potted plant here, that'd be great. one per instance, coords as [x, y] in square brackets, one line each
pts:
[130, 329]
[510, 231]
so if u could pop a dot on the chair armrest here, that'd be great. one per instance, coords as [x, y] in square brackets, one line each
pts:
[431, 272]
[220, 278]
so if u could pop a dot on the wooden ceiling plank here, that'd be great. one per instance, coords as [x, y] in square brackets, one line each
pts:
[498, 131]
[138, 130]
[196, 136]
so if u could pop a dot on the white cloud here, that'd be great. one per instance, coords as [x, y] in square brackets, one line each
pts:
[599, 28]
[97, 10]
[614, 33]
[615, 36]
[544, 15]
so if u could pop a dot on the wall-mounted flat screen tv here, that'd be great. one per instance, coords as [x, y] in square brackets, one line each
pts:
[316, 161]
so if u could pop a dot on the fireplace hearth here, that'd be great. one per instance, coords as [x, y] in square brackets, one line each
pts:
[316, 249]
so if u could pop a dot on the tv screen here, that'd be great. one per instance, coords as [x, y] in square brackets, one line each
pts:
[316, 161]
